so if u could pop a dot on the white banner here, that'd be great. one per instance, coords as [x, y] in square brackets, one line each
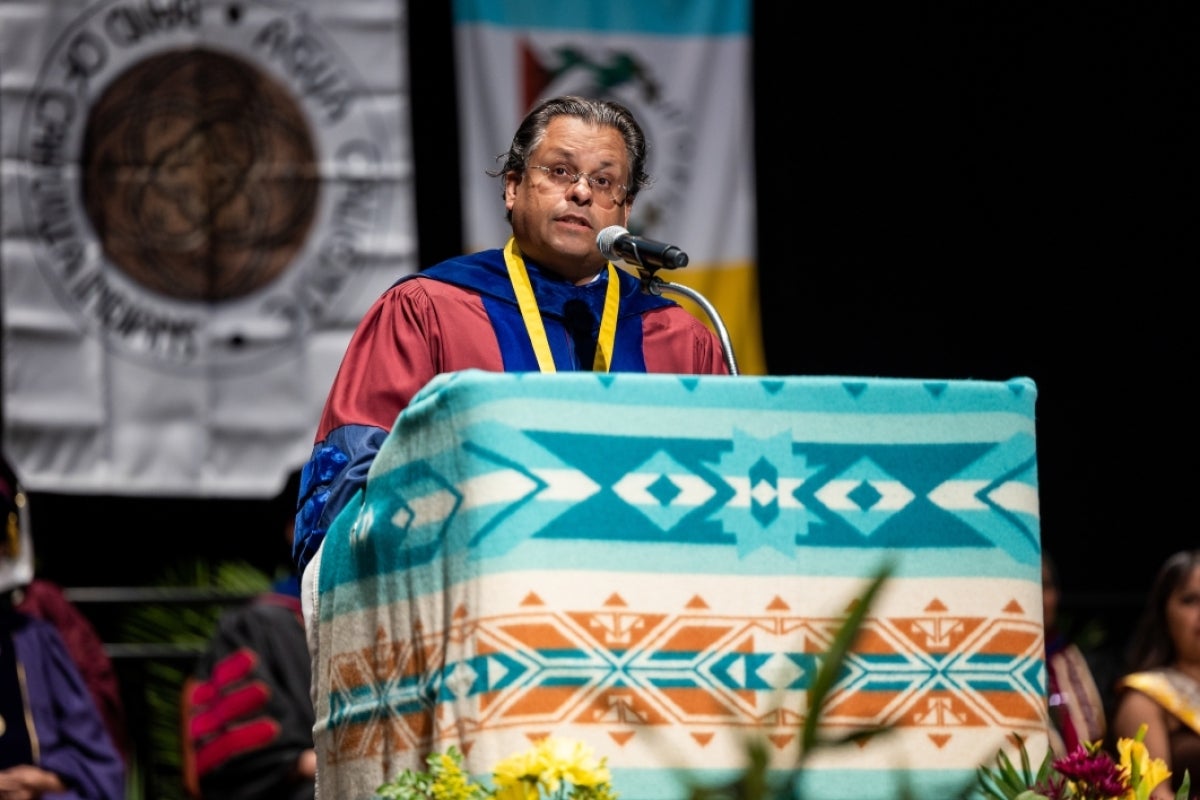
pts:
[198, 201]
[684, 69]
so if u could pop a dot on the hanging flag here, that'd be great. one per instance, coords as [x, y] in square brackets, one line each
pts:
[684, 69]
[198, 202]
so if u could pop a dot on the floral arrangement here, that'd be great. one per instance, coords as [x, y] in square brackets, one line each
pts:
[1087, 773]
[561, 769]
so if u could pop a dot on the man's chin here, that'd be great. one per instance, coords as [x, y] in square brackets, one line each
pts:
[580, 270]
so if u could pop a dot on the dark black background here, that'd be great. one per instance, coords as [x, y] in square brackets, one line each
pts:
[947, 190]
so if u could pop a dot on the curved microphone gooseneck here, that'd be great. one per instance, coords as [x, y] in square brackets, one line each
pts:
[618, 244]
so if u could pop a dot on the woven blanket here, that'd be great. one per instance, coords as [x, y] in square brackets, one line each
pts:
[655, 565]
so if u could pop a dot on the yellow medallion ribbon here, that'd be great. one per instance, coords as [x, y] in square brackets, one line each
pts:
[532, 317]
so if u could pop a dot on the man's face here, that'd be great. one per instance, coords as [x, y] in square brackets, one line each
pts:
[556, 226]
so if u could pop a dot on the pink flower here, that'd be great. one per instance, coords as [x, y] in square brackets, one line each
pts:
[1095, 775]
[1054, 789]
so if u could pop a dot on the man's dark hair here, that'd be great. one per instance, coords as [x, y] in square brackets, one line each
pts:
[607, 113]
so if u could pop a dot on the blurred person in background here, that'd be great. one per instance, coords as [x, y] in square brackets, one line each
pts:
[1076, 706]
[1162, 687]
[53, 739]
[247, 710]
[46, 600]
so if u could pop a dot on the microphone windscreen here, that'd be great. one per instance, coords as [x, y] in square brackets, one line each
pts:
[606, 240]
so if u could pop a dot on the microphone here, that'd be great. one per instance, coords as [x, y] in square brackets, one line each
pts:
[616, 242]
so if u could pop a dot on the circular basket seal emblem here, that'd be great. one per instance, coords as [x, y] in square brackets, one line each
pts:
[204, 179]
[199, 176]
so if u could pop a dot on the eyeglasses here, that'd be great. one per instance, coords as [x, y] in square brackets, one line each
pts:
[605, 189]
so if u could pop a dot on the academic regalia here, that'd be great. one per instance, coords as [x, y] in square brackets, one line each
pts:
[464, 314]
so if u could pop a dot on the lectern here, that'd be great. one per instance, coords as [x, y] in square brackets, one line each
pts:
[655, 565]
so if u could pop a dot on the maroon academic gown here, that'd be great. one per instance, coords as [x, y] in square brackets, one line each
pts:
[462, 314]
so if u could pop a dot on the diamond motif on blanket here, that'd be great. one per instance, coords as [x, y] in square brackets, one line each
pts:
[865, 495]
[664, 490]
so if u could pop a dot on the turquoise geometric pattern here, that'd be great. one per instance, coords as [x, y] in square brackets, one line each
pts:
[745, 493]
[764, 510]
[657, 564]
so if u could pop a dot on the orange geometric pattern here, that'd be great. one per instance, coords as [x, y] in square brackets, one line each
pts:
[617, 670]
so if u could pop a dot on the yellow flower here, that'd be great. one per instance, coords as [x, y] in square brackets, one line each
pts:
[562, 769]
[1142, 772]
[516, 770]
[521, 790]
[568, 760]
[450, 782]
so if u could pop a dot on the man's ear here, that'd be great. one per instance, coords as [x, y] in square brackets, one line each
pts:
[512, 179]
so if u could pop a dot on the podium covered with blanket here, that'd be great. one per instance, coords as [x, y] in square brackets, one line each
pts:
[655, 565]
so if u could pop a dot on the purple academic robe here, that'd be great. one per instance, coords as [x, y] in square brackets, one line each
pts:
[72, 739]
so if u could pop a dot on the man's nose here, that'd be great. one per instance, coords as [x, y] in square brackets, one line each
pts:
[582, 184]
